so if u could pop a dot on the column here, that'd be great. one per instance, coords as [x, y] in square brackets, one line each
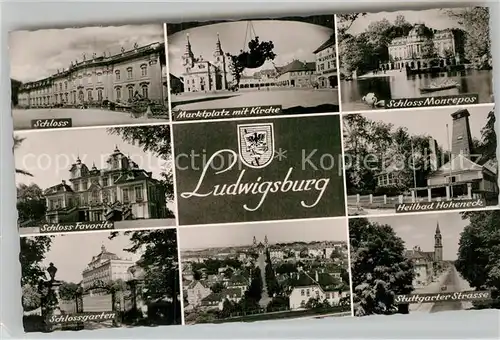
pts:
[469, 190]
[429, 196]
[447, 192]
[413, 196]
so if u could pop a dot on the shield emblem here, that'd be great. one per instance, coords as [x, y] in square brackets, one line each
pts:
[256, 144]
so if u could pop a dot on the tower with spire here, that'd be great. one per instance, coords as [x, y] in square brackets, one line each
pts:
[220, 64]
[201, 75]
[438, 245]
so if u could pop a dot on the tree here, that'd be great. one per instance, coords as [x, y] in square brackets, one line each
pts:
[217, 287]
[68, 291]
[488, 144]
[258, 52]
[475, 22]
[154, 139]
[17, 143]
[379, 268]
[31, 205]
[271, 282]
[366, 142]
[33, 250]
[429, 50]
[160, 262]
[479, 252]
[346, 21]
[31, 298]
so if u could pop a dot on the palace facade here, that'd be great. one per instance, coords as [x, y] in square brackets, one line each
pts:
[120, 191]
[94, 79]
[105, 267]
[421, 46]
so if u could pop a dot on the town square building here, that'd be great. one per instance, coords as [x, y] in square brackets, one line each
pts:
[137, 72]
[203, 75]
[120, 191]
[326, 64]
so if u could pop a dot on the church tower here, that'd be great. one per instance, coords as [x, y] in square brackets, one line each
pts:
[438, 245]
[220, 63]
[188, 56]
[461, 142]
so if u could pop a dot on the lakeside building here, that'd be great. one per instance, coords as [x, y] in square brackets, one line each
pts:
[424, 45]
[116, 78]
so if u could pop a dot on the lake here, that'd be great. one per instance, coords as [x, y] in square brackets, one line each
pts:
[398, 85]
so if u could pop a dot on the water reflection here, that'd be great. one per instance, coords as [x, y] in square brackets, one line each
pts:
[396, 85]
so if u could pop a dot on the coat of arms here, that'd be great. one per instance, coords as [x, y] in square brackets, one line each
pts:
[256, 144]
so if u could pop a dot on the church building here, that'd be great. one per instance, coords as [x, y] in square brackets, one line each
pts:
[201, 75]
[425, 262]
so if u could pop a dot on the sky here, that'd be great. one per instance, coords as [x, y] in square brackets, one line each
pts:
[48, 155]
[433, 18]
[71, 253]
[432, 121]
[38, 54]
[305, 39]
[277, 232]
[419, 229]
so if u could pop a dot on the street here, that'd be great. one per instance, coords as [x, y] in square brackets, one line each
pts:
[452, 284]
[287, 98]
[87, 117]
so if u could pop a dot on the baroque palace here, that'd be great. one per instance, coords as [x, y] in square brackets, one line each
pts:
[121, 191]
[116, 78]
[202, 75]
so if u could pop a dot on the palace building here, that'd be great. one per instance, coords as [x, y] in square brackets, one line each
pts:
[424, 263]
[105, 267]
[94, 79]
[421, 46]
[120, 191]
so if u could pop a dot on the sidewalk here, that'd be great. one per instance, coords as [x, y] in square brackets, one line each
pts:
[433, 287]
[464, 287]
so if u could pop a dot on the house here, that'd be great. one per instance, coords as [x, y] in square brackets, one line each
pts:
[196, 292]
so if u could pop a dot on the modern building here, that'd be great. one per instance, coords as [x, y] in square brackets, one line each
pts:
[104, 268]
[94, 79]
[120, 191]
[425, 263]
[326, 64]
[422, 46]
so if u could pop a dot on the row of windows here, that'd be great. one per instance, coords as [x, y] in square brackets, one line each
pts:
[63, 97]
[88, 80]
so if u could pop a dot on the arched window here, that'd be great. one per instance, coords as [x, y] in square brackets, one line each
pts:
[144, 70]
[117, 75]
[99, 95]
[118, 93]
[89, 95]
[145, 91]
[130, 92]
[129, 73]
